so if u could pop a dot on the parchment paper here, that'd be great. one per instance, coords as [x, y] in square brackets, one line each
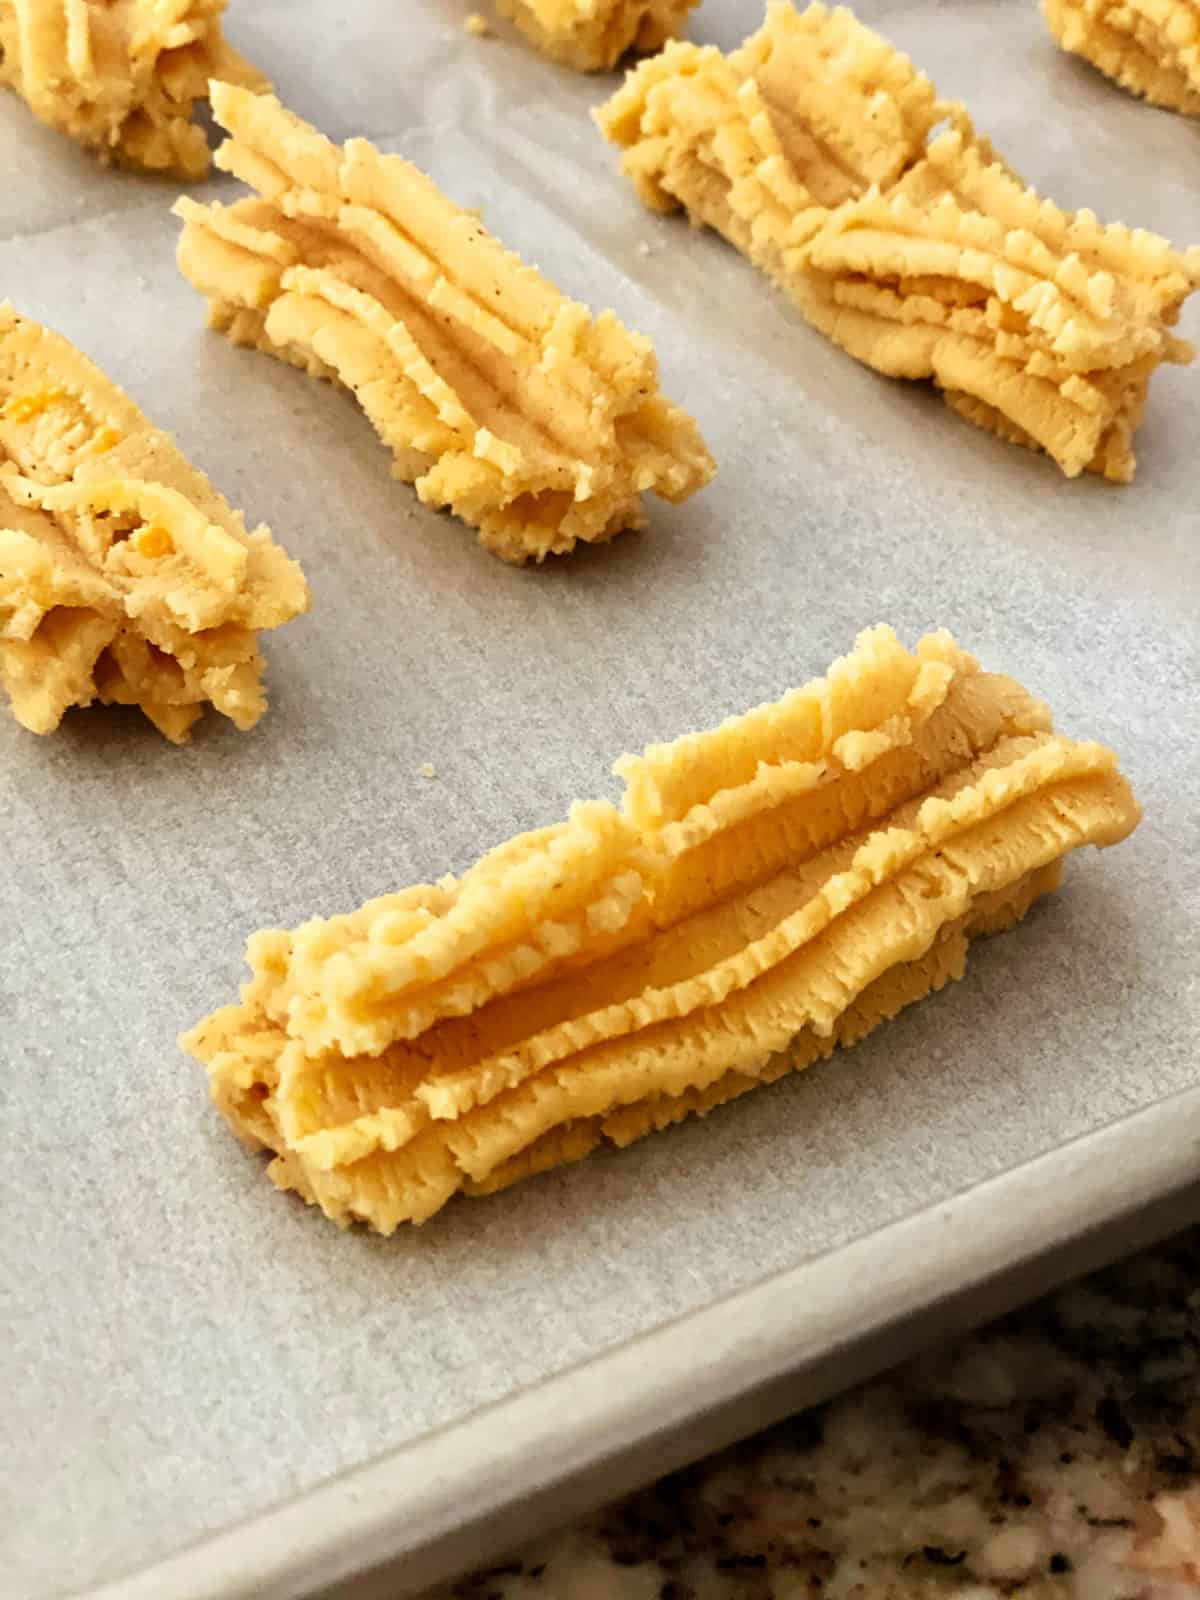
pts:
[181, 1347]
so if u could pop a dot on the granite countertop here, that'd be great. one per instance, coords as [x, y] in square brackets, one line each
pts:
[1055, 1455]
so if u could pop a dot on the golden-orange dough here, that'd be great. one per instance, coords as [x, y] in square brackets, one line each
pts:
[124, 576]
[764, 893]
[593, 35]
[502, 400]
[1150, 47]
[122, 76]
[814, 148]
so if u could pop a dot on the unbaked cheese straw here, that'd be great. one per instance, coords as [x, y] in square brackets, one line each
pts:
[122, 76]
[592, 35]
[765, 892]
[124, 576]
[1150, 47]
[812, 149]
[501, 400]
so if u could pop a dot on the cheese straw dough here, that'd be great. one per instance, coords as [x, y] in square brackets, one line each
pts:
[510, 405]
[812, 148]
[766, 892]
[592, 35]
[124, 576]
[122, 76]
[1150, 47]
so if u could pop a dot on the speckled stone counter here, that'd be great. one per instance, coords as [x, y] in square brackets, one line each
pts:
[1054, 1456]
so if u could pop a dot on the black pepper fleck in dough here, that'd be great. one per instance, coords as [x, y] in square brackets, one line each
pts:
[937, 1557]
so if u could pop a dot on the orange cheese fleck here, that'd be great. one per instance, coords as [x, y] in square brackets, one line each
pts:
[24, 407]
[154, 542]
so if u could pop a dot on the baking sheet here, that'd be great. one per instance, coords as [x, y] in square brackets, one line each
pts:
[182, 1349]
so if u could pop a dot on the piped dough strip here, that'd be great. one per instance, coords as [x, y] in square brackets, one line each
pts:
[593, 35]
[122, 76]
[1150, 47]
[902, 985]
[815, 150]
[124, 576]
[500, 399]
[766, 892]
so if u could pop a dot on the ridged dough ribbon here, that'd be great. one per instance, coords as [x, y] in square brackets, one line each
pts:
[814, 149]
[765, 893]
[501, 400]
[1150, 47]
[122, 76]
[124, 576]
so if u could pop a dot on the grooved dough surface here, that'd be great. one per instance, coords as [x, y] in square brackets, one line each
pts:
[1150, 47]
[813, 148]
[591, 35]
[260, 1350]
[122, 76]
[124, 576]
[500, 399]
[769, 890]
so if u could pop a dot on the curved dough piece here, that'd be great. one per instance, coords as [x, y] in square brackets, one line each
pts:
[813, 148]
[767, 892]
[124, 576]
[500, 399]
[122, 76]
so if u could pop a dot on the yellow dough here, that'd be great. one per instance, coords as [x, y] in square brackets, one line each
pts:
[501, 400]
[592, 35]
[766, 892]
[1150, 47]
[813, 149]
[122, 76]
[124, 576]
